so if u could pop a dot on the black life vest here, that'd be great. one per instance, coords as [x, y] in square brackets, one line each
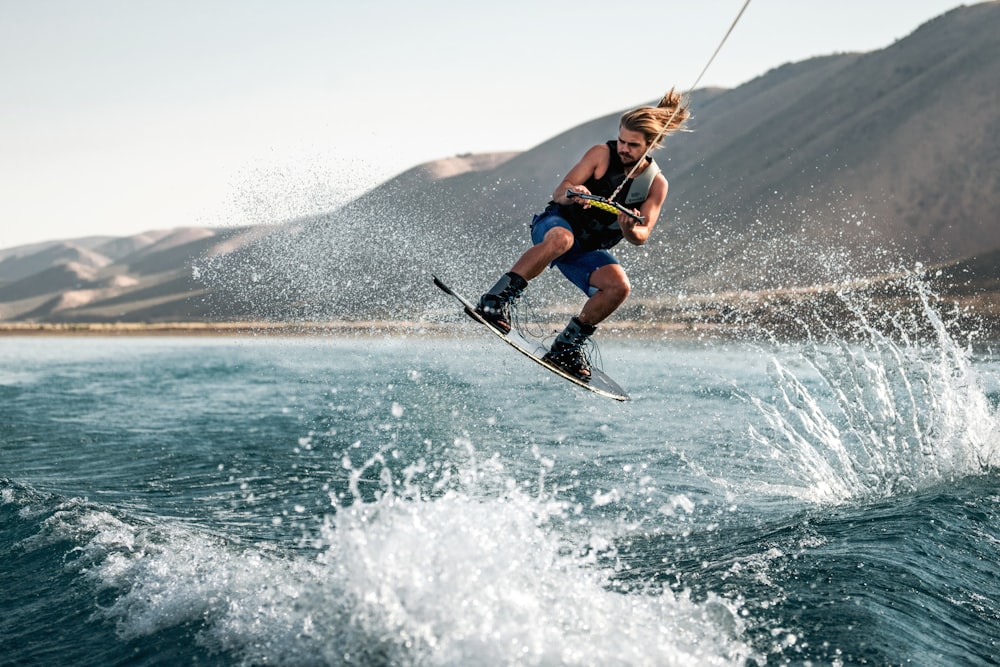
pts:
[595, 229]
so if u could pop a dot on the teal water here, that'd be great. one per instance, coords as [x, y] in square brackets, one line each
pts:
[432, 501]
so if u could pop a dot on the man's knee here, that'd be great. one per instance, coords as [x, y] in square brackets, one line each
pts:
[559, 239]
[613, 283]
[620, 289]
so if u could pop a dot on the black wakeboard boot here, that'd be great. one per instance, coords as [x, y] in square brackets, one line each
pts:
[494, 306]
[567, 351]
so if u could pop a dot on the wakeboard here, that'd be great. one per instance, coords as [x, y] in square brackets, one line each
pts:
[599, 382]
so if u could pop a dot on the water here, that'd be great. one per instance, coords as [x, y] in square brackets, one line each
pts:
[422, 500]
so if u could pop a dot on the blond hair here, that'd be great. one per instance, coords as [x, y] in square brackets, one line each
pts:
[657, 122]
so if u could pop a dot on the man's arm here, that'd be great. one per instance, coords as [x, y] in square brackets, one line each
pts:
[638, 233]
[596, 157]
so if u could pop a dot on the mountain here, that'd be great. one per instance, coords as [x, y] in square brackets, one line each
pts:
[146, 277]
[898, 148]
[890, 156]
[18, 266]
[828, 171]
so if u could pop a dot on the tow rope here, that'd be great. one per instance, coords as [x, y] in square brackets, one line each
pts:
[609, 204]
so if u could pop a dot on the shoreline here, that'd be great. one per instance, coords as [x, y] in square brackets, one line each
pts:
[624, 329]
[786, 321]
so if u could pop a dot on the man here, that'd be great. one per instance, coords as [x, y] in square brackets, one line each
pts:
[575, 236]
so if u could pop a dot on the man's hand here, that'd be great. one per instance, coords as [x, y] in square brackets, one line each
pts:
[626, 220]
[578, 189]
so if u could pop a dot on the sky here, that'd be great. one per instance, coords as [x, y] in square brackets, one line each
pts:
[124, 116]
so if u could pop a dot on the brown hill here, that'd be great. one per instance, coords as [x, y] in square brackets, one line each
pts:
[118, 248]
[834, 167]
[830, 170]
[151, 280]
[900, 148]
[17, 266]
[58, 278]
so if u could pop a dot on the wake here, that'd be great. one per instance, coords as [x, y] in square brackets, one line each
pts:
[898, 410]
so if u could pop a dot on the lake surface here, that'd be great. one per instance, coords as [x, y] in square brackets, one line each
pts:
[420, 500]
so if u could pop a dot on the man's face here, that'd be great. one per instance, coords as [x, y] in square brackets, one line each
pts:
[631, 146]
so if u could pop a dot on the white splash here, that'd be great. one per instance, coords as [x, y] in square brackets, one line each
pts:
[505, 578]
[897, 414]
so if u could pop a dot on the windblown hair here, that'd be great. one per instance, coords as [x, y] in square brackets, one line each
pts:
[657, 122]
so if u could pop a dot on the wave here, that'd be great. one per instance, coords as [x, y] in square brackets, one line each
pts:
[458, 579]
[892, 413]
[901, 580]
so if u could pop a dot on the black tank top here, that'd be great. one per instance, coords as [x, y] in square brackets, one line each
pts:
[595, 229]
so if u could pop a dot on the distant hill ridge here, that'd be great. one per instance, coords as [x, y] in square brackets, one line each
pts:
[834, 168]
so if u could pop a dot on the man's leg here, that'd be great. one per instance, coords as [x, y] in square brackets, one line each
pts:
[556, 242]
[494, 306]
[613, 288]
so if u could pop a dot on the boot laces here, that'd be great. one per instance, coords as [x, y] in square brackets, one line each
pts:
[585, 351]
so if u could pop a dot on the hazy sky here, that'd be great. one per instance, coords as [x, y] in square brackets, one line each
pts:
[121, 116]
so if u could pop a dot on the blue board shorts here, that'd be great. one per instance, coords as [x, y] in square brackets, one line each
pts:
[576, 264]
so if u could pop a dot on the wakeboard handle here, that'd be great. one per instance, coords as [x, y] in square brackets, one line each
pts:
[606, 205]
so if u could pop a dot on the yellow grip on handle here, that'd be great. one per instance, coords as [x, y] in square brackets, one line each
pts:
[604, 206]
